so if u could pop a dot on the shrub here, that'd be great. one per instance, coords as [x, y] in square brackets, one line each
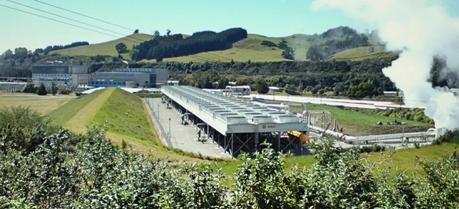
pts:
[262, 86]
[30, 88]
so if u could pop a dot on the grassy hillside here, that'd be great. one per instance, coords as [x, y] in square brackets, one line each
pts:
[242, 51]
[78, 113]
[123, 114]
[106, 48]
[361, 53]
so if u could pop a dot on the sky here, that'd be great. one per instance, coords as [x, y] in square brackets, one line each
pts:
[266, 17]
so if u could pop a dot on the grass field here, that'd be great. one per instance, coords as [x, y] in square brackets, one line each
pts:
[356, 122]
[406, 160]
[41, 104]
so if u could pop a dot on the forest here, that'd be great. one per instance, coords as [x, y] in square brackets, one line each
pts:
[43, 166]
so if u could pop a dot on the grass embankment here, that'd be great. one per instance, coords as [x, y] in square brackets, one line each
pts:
[361, 122]
[78, 114]
[40, 104]
[125, 118]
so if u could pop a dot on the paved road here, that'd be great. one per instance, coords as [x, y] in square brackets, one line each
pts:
[181, 137]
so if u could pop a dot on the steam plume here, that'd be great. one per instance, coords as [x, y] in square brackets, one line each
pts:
[422, 30]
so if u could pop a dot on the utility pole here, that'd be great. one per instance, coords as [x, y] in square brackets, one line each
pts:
[169, 129]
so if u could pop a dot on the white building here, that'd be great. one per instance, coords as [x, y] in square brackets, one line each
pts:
[60, 74]
[239, 90]
[12, 86]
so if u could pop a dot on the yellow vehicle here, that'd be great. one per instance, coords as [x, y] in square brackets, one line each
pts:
[300, 136]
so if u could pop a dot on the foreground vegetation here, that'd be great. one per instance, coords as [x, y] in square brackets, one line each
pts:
[48, 167]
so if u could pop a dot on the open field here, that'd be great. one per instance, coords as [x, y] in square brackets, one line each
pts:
[41, 104]
[406, 160]
[356, 122]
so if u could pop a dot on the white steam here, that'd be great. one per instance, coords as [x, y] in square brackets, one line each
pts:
[422, 30]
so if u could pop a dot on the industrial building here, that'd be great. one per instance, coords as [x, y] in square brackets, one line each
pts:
[61, 74]
[131, 77]
[73, 76]
[236, 125]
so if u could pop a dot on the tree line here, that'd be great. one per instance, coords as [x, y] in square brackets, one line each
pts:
[58, 47]
[352, 78]
[48, 167]
[162, 47]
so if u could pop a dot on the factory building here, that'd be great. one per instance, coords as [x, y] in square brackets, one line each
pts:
[73, 76]
[60, 74]
[235, 125]
[131, 77]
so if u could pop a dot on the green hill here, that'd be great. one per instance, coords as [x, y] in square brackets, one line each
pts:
[242, 51]
[252, 49]
[361, 53]
[123, 114]
[106, 48]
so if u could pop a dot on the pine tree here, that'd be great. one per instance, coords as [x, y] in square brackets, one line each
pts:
[42, 90]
